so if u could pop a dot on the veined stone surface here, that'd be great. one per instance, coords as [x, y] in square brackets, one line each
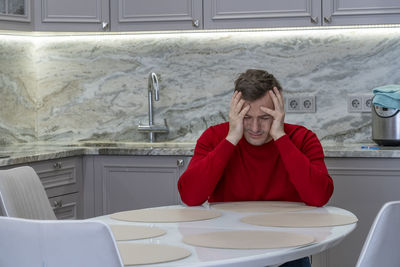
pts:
[17, 90]
[95, 87]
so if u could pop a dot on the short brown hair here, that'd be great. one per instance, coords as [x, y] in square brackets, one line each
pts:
[255, 83]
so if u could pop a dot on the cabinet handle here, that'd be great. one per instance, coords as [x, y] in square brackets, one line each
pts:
[314, 20]
[180, 162]
[57, 165]
[104, 25]
[196, 23]
[328, 19]
[57, 204]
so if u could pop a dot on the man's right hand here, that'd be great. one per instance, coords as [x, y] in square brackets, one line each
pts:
[237, 112]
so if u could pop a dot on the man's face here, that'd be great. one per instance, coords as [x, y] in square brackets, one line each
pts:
[256, 123]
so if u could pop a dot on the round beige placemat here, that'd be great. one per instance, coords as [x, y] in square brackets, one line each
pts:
[245, 239]
[133, 232]
[166, 215]
[262, 206]
[135, 253]
[299, 219]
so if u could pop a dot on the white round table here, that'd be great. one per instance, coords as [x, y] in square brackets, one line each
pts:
[325, 238]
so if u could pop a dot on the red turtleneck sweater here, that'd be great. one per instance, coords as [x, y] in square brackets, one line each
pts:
[291, 168]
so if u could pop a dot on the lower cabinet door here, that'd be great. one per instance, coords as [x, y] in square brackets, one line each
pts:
[135, 182]
[362, 186]
[60, 176]
[66, 207]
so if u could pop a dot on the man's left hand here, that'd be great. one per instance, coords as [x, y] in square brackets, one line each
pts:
[278, 114]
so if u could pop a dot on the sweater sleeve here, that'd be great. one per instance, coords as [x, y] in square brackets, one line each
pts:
[306, 168]
[205, 169]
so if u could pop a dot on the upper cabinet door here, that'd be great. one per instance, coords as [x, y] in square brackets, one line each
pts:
[15, 14]
[72, 15]
[261, 13]
[139, 15]
[358, 12]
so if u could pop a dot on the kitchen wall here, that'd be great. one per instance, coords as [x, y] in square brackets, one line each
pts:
[17, 90]
[94, 87]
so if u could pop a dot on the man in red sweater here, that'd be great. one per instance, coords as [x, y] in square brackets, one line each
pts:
[256, 156]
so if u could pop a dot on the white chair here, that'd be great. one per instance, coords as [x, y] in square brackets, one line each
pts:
[22, 195]
[382, 246]
[52, 243]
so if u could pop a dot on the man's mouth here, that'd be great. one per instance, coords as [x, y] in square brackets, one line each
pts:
[254, 135]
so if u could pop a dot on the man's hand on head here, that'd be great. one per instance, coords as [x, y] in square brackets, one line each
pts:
[238, 110]
[278, 114]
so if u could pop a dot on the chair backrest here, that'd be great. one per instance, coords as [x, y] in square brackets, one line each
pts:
[52, 243]
[22, 195]
[381, 248]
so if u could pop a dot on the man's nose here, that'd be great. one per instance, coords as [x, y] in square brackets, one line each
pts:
[255, 125]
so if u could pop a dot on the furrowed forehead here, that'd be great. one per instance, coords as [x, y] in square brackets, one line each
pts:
[255, 111]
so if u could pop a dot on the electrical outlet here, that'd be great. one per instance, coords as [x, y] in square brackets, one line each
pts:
[359, 103]
[307, 104]
[354, 103]
[297, 104]
[293, 104]
[366, 103]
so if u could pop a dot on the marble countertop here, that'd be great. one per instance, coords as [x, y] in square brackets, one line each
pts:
[31, 152]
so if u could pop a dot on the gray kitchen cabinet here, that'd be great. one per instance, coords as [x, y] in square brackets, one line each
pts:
[362, 186]
[150, 15]
[67, 207]
[72, 15]
[360, 12]
[117, 15]
[16, 15]
[118, 183]
[62, 180]
[219, 14]
[126, 15]
[159, 15]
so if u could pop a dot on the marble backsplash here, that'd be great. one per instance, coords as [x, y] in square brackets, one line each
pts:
[17, 90]
[94, 87]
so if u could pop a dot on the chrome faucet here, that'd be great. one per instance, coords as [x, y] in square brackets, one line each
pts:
[152, 86]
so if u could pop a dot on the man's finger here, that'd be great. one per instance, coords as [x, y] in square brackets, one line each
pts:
[279, 96]
[244, 111]
[277, 103]
[235, 98]
[268, 111]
